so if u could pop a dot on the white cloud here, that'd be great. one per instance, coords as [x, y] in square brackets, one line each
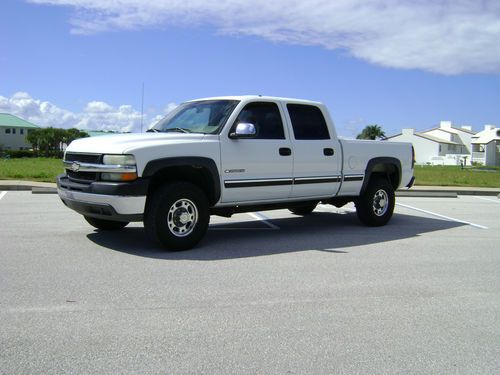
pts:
[168, 108]
[449, 37]
[96, 115]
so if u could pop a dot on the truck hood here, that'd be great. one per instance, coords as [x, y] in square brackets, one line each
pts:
[127, 143]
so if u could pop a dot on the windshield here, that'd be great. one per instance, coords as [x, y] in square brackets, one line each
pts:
[205, 117]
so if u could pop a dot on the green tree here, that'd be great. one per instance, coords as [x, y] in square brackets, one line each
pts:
[371, 132]
[72, 134]
[50, 141]
[33, 137]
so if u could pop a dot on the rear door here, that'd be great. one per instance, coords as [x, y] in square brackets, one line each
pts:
[317, 153]
[257, 168]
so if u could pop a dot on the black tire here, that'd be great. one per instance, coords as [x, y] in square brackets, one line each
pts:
[103, 224]
[303, 210]
[177, 215]
[375, 207]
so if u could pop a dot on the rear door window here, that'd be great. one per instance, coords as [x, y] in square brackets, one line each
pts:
[308, 122]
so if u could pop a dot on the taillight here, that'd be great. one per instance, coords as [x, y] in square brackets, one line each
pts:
[412, 156]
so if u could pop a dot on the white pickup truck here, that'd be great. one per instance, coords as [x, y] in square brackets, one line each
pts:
[224, 155]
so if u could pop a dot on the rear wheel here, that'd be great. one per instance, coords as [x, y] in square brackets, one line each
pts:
[177, 215]
[376, 205]
[103, 224]
[303, 210]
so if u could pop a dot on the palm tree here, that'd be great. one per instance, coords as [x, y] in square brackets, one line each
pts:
[371, 132]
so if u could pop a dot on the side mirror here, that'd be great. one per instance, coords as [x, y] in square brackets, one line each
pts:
[243, 130]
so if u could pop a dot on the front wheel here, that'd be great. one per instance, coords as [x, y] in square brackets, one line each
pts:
[103, 224]
[375, 207]
[177, 215]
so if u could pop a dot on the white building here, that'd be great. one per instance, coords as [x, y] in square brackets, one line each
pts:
[445, 145]
[486, 146]
[13, 132]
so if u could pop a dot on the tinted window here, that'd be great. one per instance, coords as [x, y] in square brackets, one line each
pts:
[266, 117]
[307, 122]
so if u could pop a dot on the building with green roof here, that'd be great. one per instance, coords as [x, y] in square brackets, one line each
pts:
[13, 132]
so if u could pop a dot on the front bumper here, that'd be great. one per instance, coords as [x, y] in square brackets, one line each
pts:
[105, 200]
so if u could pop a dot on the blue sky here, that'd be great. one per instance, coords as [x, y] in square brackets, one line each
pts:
[82, 63]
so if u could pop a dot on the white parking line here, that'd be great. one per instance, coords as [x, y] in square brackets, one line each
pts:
[264, 219]
[487, 199]
[333, 209]
[255, 215]
[442, 216]
[2, 194]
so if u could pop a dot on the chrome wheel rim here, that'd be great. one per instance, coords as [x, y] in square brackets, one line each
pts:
[182, 218]
[380, 202]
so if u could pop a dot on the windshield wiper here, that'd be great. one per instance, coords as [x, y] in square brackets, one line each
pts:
[152, 130]
[179, 130]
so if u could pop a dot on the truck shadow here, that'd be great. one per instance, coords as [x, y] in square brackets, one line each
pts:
[334, 233]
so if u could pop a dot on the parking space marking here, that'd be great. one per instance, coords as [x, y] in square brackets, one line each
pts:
[2, 194]
[487, 199]
[332, 209]
[222, 227]
[442, 216]
[263, 218]
[255, 215]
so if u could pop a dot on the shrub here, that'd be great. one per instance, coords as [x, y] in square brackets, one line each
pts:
[19, 153]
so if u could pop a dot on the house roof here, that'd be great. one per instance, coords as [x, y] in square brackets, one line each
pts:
[428, 137]
[436, 139]
[8, 120]
[486, 136]
[451, 130]
[464, 130]
[96, 133]
[392, 136]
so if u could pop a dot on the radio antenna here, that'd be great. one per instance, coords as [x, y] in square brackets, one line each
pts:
[142, 105]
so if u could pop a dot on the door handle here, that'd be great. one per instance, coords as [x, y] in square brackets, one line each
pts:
[285, 151]
[328, 151]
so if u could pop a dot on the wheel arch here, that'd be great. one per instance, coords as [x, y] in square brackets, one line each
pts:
[383, 166]
[200, 171]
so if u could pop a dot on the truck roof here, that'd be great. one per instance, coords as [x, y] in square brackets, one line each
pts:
[262, 97]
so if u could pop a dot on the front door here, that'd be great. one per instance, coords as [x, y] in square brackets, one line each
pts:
[257, 168]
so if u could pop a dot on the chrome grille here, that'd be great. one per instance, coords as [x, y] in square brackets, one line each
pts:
[84, 158]
[83, 177]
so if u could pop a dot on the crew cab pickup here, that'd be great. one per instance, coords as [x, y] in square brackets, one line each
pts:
[225, 155]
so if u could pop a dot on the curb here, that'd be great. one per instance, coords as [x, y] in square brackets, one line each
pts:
[426, 194]
[446, 191]
[34, 187]
[43, 190]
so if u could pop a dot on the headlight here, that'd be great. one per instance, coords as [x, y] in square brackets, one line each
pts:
[119, 160]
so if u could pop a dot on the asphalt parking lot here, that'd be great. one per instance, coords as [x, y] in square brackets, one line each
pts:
[263, 293]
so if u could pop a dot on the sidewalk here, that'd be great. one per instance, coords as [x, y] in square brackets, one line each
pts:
[415, 191]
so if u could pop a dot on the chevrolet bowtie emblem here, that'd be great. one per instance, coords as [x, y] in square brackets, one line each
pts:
[75, 167]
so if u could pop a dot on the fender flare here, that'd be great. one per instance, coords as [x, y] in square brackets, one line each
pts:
[154, 166]
[384, 160]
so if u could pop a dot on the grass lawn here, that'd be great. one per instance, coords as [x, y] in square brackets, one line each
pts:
[31, 169]
[46, 170]
[437, 175]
